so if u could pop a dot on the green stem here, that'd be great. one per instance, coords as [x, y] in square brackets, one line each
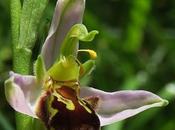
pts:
[21, 60]
[23, 39]
[21, 57]
[15, 6]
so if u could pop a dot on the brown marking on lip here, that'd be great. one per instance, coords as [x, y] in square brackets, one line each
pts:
[82, 117]
[93, 101]
[41, 110]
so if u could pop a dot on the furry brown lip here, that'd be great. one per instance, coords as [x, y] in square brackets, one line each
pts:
[64, 110]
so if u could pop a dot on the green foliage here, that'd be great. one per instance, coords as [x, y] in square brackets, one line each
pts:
[28, 123]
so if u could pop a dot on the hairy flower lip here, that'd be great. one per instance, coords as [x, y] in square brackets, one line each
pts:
[65, 106]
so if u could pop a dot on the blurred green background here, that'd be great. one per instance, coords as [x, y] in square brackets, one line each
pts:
[135, 47]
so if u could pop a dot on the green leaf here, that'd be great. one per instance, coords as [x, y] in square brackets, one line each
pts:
[115, 126]
[4, 122]
[28, 123]
[76, 33]
[31, 14]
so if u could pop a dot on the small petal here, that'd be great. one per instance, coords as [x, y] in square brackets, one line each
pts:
[87, 68]
[39, 69]
[22, 92]
[78, 32]
[67, 13]
[117, 106]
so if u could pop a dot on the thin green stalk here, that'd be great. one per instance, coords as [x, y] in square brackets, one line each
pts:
[21, 57]
[23, 40]
[20, 60]
[21, 64]
[15, 6]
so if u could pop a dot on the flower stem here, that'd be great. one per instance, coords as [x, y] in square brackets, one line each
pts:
[21, 60]
[24, 26]
[20, 56]
[21, 63]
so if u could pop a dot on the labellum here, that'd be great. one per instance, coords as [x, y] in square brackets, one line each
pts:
[61, 108]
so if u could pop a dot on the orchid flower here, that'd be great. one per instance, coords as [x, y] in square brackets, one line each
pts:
[54, 94]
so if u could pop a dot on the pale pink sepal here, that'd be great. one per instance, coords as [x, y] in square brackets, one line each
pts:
[22, 93]
[67, 13]
[117, 106]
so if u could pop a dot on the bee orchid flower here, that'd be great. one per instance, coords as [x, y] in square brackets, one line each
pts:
[54, 93]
